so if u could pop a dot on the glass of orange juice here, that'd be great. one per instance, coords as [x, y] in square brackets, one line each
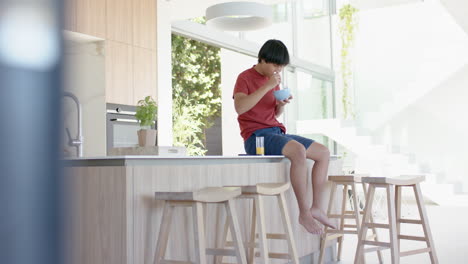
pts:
[260, 146]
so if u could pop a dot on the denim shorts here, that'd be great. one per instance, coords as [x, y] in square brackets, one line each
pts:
[274, 141]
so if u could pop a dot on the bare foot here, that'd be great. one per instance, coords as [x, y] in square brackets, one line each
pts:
[309, 223]
[321, 217]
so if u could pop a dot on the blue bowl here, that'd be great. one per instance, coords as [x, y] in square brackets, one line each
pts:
[283, 94]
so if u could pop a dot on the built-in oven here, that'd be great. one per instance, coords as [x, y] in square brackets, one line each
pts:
[122, 126]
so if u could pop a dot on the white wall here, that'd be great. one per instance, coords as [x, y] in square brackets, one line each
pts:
[435, 129]
[164, 72]
[405, 50]
[416, 49]
[232, 64]
[85, 77]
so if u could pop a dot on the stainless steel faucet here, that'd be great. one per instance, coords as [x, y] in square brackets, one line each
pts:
[78, 142]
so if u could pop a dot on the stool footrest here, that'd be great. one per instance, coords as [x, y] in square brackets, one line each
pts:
[347, 216]
[372, 249]
[246, 244]
[164, 261]
[220, 252]
[376, 243]
[337, 231]
[275, 255]
[352, 212]
[414, 252]
[333, 236]
[375, 225]
[274, 236]
[350, 226]
[410, 221]
[412, 238]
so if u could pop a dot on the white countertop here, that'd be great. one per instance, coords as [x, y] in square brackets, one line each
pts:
[151, 160]
[146, 157]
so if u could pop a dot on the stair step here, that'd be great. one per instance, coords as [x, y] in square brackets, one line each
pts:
[379, 159]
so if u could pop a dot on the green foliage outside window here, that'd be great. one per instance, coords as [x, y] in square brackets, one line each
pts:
[196, 93]
[347, 27]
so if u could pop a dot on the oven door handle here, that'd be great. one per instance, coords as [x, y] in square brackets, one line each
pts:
[123, 120]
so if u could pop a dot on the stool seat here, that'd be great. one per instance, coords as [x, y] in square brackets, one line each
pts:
[197, 200]
[356, 178]
[205, 195]
[398, 181]
[393, 188]
[266, 188]
[258, 233]
[348, 199]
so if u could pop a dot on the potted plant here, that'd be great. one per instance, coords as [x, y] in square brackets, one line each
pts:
[146, 115]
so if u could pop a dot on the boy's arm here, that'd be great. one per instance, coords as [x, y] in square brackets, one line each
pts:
[280, 106]
[244, 102]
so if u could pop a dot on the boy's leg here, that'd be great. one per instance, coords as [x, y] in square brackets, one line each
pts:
[321, 156]
[296, 153]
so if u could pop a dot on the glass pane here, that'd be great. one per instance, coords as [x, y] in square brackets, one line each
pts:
[313, 32]
[281, 28]
[312, 100]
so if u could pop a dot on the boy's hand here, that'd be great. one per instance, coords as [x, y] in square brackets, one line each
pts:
[285, 101]
[274, 80]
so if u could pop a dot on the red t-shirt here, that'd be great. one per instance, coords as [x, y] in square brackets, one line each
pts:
[262, 115]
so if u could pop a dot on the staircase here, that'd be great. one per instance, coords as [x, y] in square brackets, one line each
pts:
[445, 28]
[379, 160]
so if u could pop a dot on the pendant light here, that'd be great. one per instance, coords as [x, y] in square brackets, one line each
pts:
[239, 16]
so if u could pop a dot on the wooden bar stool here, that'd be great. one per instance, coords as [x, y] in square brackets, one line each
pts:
[347, 181]
[393, 188]
[221, 195]
[257, 193]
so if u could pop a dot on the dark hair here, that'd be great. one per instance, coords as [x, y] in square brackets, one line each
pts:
[274, 51]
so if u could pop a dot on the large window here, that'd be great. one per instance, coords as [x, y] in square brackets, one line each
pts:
[304, 26]
[281, 28]
[313, 99]
[313, 32]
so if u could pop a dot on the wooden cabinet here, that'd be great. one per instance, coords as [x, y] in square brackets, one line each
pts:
[144, 73]
[119, 219]
[91, 17]
[119, 73]
[69, 17]
[144, 23]
[129, 28]
[130, 73]
[119, 21]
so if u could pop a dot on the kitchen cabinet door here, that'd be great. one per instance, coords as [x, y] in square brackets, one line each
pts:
[119, 73]
[119, 21]
[91, 17]
[144, 73]
[70, 15]
[144, 24]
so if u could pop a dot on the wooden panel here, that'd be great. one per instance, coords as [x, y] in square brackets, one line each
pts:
[119, 21]
[144, 73]
[148, 213]
[70, 15]
[91, 17]
[116, 218]
[97, 217]
[119, 73]
[144, 24]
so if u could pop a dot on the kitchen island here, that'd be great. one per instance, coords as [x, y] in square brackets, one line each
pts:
[113, 217]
